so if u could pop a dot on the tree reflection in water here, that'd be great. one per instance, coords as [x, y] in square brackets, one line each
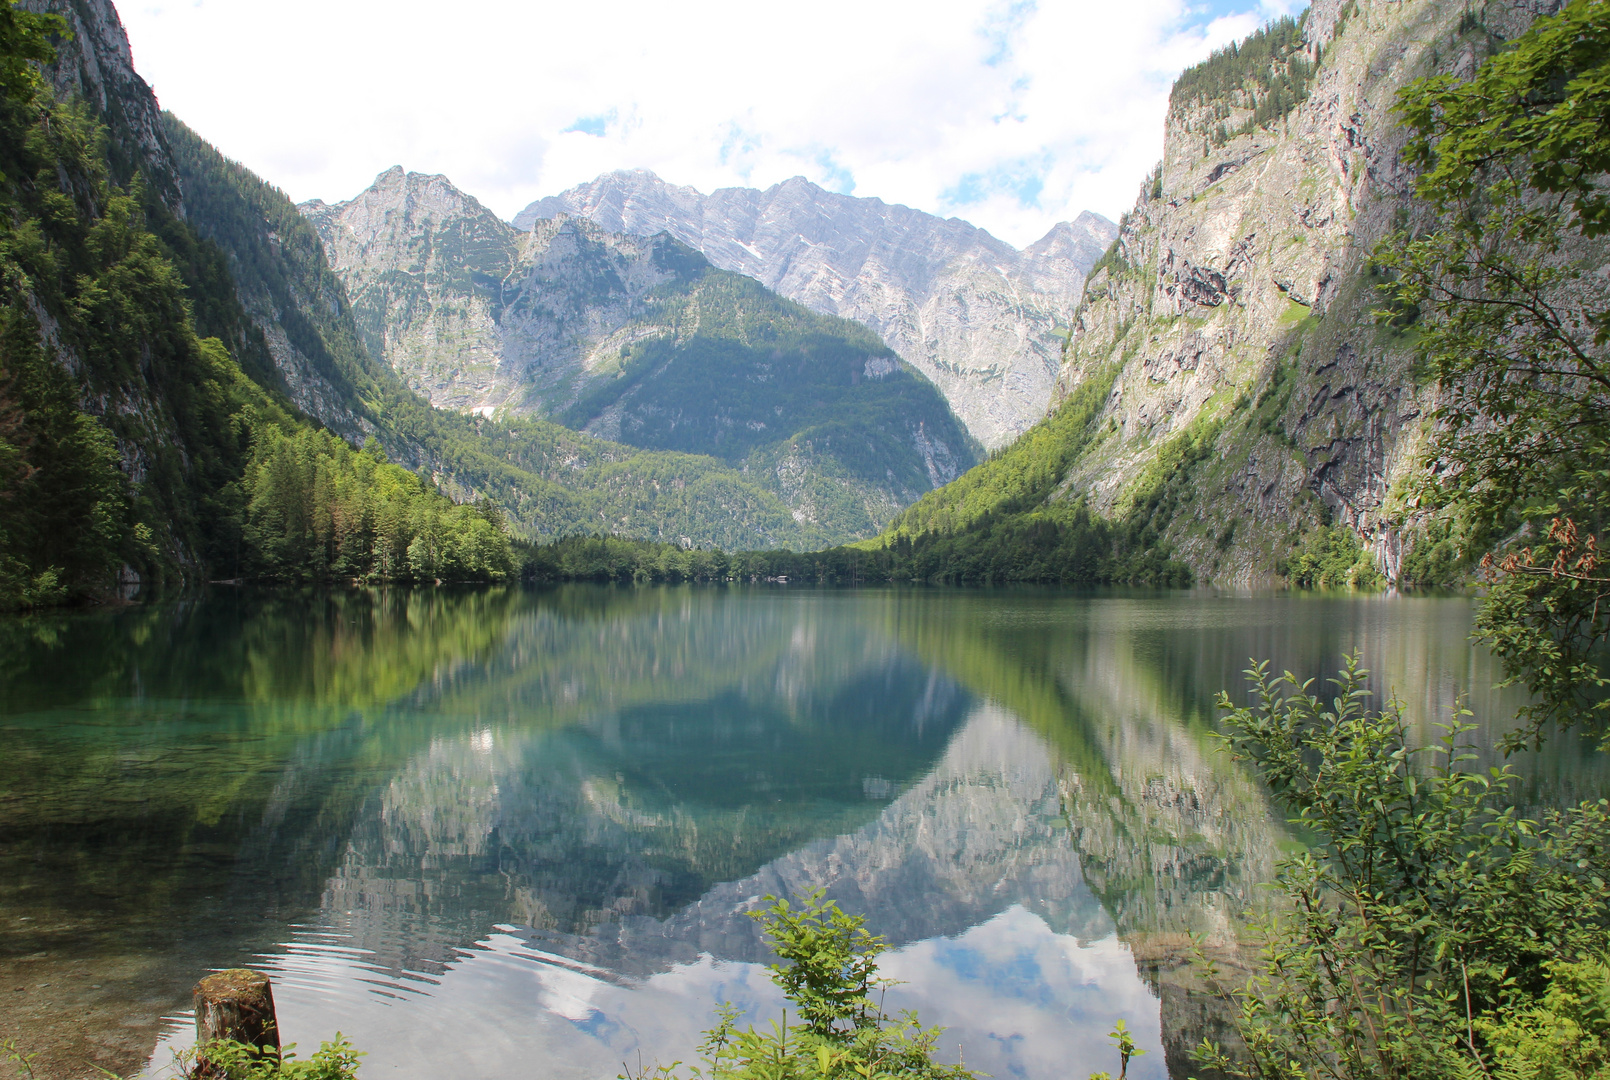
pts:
[529, 826]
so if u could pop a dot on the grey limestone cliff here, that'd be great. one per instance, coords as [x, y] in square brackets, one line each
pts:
[472, 314]
[1233, 319]
[980, 318]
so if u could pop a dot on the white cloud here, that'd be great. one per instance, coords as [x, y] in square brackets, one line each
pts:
[1009, 113]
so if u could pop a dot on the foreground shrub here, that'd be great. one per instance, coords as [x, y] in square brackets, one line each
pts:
[1429, 930]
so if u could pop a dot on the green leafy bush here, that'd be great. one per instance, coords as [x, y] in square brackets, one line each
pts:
[1428, 930]
[334, 1060]
[1438, 555]
[1127, 1049]
[1332, 558]
[829, 972]
[1565, 1036]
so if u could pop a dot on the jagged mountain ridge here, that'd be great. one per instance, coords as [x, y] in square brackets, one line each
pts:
[978, 317]
[470, 313]
[638, 340]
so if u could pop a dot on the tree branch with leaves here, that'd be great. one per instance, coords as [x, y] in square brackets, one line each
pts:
[1516, 317]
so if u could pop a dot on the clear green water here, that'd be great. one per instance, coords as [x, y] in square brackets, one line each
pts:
[511, 834]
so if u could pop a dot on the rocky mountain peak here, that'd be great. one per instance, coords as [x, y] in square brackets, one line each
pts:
[638, 339]
[1065, 253]
[976, 315]
[400, 208]
[1084, 239]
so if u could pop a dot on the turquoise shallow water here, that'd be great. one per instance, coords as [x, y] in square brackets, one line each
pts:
[506, 834]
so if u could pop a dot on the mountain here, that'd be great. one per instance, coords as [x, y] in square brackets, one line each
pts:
[159, 436]
[1229, 395]
[551, 481]
[981, 319]
[638, 340]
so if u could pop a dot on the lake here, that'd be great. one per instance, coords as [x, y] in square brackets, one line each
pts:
[507, 833]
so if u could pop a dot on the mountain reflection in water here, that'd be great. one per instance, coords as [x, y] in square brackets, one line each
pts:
[512, 834]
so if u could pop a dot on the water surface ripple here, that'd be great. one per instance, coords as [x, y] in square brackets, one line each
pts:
[505, 833]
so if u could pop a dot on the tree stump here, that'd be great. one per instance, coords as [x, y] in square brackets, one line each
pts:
[237, 1004]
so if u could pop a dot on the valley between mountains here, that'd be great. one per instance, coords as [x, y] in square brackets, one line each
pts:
[1197, 393]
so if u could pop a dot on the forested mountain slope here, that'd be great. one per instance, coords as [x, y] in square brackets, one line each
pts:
[639, 340]
[1228, 393]
[552, 481]
[132, 450]
[254, 277]
[977, 316]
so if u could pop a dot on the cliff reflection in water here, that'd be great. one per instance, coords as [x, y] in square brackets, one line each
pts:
[499, 828]
[633, 808]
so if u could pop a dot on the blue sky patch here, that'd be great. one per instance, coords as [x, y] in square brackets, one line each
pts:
[738, 149]
[835, 177]
[1022, 180]
[1001, 25]
[1203, 12]
[593, 125]
[1021, 976]
[597, 1025]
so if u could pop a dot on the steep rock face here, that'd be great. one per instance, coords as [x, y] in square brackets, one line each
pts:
[974, 314]
[97, 65]
[1236, 308]
[474, 315]
[641, 340]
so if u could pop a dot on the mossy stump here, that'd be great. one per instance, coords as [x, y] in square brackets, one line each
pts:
[237, 1004]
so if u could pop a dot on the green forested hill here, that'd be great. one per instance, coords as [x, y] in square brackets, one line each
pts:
[1006, 520]
[130, 448]
[815, 408]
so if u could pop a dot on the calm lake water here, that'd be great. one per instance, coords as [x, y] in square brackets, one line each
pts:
[518, 834]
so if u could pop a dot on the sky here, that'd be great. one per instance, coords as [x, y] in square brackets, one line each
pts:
[1011, 114]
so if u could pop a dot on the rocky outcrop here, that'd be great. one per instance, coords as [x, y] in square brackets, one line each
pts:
[472, 314]
[978, 317]
[1237, 305]
[95, 64]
